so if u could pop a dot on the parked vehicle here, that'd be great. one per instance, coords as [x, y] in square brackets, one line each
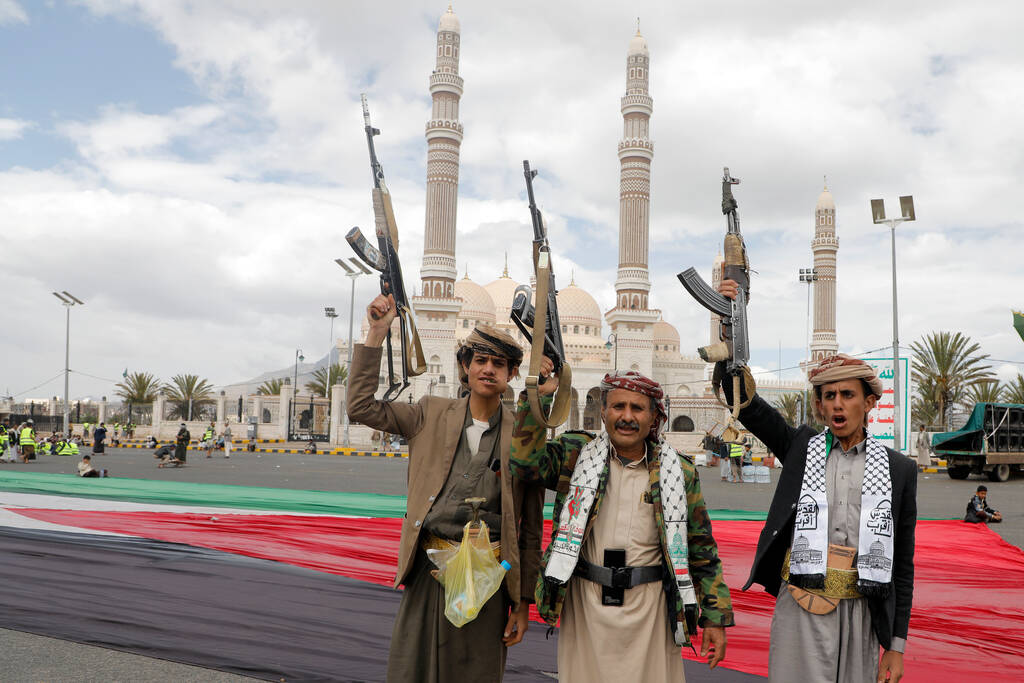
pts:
[992, 442]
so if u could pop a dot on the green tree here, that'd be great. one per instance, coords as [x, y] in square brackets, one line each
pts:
[1014, 392]
[324, 381]
[271, 387]
[789, 406]
[138, 387]
[811, 419]
[990, 391]
[187, 394]
[947, 364]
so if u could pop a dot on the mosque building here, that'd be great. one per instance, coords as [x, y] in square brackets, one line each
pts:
[448, 307]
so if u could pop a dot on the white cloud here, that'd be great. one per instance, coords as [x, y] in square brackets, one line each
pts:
[12, 13]
[12, 129]
[204, 235]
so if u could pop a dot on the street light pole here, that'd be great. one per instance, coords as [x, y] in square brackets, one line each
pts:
[295, 392]
[329, 312]
[613, 338]
[878, 216]
[68, 300]
[353, 271]
[808, 275]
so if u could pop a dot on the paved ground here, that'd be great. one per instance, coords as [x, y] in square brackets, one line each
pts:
[25, 657]
[938, 496]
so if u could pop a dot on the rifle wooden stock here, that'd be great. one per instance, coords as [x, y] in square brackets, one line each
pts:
[563, 396]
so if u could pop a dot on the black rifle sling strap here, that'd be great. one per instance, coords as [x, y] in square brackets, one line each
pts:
[563, 397]
[415, 363]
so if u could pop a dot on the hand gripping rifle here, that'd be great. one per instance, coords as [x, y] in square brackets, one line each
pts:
[541, 326]
[384, 259]
[734, 348]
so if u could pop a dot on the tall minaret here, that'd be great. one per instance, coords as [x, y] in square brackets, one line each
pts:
[437, 306]
[631, 320]
[716, 279]
[824, 245]
[635, 154]
[444, 138]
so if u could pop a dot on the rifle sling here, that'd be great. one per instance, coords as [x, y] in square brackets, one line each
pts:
[416, 364]
[560, 407]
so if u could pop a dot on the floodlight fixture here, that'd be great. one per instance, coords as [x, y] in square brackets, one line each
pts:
[63, 300]
[82, 303]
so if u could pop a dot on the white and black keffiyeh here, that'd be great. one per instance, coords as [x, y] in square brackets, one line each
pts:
[809, 554]
[572, 522]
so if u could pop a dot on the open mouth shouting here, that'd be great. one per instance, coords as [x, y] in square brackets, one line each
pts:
[839, 422]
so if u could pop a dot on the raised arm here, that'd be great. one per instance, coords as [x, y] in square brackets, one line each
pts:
[395, 416]
[533, 457]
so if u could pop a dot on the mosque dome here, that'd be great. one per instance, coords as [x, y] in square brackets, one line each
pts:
[449, 22]
[825, 201]
[665, 335]
[476, 302]
[500, 292]
[637, 45]
[580, 316]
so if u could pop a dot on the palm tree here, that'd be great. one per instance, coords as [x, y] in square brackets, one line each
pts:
[990, 391]
[323, 381]
[948, 364]
[138, 387]
[271, 387]
[1014, 392]
[187, 393]
[789, 405]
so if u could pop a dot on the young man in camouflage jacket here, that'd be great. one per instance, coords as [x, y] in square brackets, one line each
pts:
[670, 585]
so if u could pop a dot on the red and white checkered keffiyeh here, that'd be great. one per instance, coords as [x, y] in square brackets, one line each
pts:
[634, 381]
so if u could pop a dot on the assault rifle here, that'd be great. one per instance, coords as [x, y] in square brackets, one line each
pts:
[734, 348]
[541, 326]
[384, 259]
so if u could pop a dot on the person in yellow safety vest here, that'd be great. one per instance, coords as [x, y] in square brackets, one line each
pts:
[736, 463]
[3, 442]
[27, 441]
[85, 431]
[43, 447]
[208, 440]
[68, 448]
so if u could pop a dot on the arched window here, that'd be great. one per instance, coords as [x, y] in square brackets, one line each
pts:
[576, 330]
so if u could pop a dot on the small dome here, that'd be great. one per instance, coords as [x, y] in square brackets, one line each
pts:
[665, 333]
[637, 45]
[476, 302]
[449, 22]
[825, 201]
[576, 306]
[500, 292]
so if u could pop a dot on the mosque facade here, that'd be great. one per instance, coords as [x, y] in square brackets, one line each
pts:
[448, 308]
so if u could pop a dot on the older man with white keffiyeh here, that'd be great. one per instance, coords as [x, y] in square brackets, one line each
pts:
[838, 545]
[632, 569]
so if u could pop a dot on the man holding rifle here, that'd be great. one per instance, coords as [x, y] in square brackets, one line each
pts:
[458, 449]
[837, 548]
[632, 568]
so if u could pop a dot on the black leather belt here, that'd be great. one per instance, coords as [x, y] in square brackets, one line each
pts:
[618, 577]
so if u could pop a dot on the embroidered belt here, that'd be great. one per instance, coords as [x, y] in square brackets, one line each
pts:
[840, 584]
[618, 577]
[432, 542]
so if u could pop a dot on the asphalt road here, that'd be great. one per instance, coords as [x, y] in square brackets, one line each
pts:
[938, 496]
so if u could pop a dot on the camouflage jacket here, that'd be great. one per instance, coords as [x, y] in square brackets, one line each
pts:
[533, 458]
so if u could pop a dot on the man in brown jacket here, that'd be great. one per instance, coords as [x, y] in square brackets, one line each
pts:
[458, 449]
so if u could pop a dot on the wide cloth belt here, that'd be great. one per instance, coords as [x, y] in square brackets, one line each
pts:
[432, 542]
[840, 582]
[618, 577]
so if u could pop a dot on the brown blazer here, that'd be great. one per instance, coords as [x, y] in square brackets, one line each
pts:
[433, 427]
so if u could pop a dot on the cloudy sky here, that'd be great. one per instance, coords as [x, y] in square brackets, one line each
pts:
[189, 169]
